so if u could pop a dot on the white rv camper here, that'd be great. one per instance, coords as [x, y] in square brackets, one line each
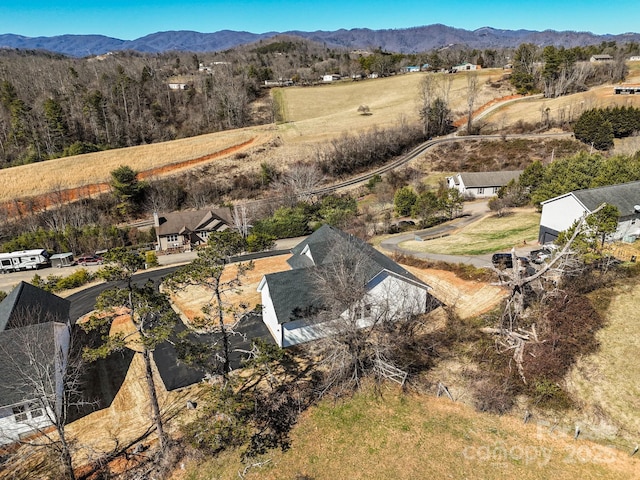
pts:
[24, 260]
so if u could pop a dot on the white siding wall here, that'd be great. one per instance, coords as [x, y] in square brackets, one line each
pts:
[388, 297]
[12, 430]
[560, 214]
[269, 315]
[396, 296]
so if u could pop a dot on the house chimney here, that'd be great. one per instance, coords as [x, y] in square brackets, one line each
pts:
[156, 220]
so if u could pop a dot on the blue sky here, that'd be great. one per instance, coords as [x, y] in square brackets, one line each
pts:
[130, 19]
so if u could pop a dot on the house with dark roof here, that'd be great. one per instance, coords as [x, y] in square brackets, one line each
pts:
[560, 213]
[291, 300]
[184, 230]
[481, 184]
[34, 346]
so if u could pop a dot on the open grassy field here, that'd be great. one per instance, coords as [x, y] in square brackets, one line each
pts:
[566, 108]
[398, 436]
[490, 234]
[325, 111]
[94, 168]
[313, 114]
[607, 382]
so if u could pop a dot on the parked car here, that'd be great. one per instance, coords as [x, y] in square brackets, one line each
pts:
[505, 260]
[542, 254]
[87, 260]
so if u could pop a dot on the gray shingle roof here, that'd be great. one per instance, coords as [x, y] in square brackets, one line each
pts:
[489, 179]
[293, 293]
[194, 220]
[27, 363]
[27, 304]
[624, 196]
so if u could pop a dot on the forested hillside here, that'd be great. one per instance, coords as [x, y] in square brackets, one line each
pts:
[53, 106]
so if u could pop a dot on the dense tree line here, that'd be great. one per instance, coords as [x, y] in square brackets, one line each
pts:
[576, 173]
[52, 105]
[599, 127]
[559, 71]
[354, 153]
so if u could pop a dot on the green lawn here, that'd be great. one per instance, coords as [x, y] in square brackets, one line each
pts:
[491, 234]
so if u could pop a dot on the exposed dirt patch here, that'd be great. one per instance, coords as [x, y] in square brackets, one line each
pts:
[190, 300]
[468, 298]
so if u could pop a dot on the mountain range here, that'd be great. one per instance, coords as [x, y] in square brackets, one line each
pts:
[407, 40]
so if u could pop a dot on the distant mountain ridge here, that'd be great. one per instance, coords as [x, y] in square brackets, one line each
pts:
[406, 40]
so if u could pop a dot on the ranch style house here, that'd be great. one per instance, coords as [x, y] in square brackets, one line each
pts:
[560, 213]
[481, 184]
[184, 230]
[290, 299]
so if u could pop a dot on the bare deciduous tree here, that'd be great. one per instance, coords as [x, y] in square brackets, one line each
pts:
[43, 371]
[511, 334]
[299, 181]
[362, 328]
[473, 88]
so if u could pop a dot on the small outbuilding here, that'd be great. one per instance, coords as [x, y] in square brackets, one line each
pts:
[60, 260]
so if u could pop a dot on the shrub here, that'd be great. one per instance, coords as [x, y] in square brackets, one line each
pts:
[151, 259]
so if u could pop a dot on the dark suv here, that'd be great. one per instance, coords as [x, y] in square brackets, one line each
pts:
[505, 260]
[502, 260]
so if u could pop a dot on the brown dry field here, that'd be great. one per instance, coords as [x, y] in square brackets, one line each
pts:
[313, 115]
[94, 168]
[404, 436]
[568, 107]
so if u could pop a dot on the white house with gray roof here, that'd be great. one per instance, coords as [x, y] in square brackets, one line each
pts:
[291, 301]
[481, 184]
[560, 213]
[34, 345]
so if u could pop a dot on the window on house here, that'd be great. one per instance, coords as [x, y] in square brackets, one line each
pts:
[172, 238]
[20, 413]
[362, 311]
[36, 410]
[495, 189]
[480, 190]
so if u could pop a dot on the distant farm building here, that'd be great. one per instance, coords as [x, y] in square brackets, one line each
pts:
[634, 58]
[179, 86]
[626, 89]
[600, 58]
[411, 68]
[278, 83]
[331, 78]
[465, 67]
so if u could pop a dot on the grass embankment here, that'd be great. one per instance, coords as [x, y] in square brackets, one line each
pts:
[406, 436]
[95, 168]
[608, 382]
[488, 235]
